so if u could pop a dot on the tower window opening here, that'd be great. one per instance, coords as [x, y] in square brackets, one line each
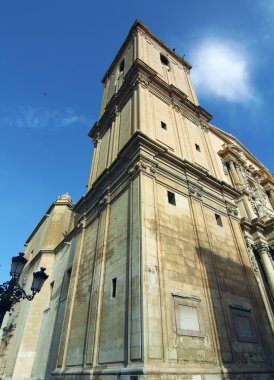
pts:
[163, 125]
[198, 147]
[171, 198]
[219, 220]
[51, 289]
[122, 66]
[114, 287]
[164, 60]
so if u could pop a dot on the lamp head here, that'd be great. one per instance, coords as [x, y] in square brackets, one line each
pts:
[17, 265]
[38, 280]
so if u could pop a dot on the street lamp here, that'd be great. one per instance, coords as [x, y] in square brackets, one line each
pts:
[11, 292]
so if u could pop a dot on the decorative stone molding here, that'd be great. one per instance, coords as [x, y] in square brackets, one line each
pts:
[187, 71]
[103, 201]
[141, 78]
[252, 256]
[96, 139]
[114, 113]
[262, 247]
[225, 167]
[195, 191]
[153, 169]
[204, 125]
[176, 104]
[232, 211]
[140, 165]
[179, 293]
[140, 31]
[143, 166]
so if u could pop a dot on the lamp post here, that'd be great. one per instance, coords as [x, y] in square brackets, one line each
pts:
[11, 292]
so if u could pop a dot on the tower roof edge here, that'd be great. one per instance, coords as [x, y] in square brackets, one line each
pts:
[138, 23]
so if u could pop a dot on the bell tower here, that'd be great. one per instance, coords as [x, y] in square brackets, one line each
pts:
[161, 286]
[129, 106]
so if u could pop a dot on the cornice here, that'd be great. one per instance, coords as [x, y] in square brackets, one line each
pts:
[229, 153]
[267, 179]
[256, 225]
[37, 256]
[58, 202]
[227, 137]
[142, 74]
[129, 163]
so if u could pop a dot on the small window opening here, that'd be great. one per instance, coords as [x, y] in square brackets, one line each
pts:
[171, 198]
[122, 66]
[164, 60]
[198, 147]
[114, 286]
[163, 125]
[51, 289]
[219, 220]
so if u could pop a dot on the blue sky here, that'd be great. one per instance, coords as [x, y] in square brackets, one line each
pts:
[53, 55]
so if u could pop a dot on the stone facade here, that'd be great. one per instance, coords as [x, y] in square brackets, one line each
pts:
[164, 269]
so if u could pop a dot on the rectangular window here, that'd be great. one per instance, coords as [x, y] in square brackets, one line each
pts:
[114, 286]
[198, 147]
[243, 324]
[51, 289]
[163, 125]
[171, 198]
[219, 220]
[188, 317]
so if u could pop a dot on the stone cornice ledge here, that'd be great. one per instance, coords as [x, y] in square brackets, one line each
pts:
[128, 153]
[140, 72]
[257, 225]
[161, 369]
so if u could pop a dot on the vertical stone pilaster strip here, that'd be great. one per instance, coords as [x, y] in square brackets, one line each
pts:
[62, 356]
[234, 173]
[267, 264]
[213, 167]
[271, 195]
[97, 143]
[101, 291]
[258, 276]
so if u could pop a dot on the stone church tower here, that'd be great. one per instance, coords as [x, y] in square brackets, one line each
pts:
[165, 268]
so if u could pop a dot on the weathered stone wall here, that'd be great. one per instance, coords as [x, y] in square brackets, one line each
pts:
[40, 253]
[102, 325]
[188, 255]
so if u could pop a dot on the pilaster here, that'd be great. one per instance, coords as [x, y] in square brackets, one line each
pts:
[267, 263]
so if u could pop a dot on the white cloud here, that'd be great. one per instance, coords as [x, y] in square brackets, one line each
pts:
[29, 117]
[221, 69]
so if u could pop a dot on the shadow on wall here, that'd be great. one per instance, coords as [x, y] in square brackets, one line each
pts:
[243, 335]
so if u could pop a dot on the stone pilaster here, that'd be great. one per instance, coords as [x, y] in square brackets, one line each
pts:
[234, 173]
[271, 196]
[267, 264]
